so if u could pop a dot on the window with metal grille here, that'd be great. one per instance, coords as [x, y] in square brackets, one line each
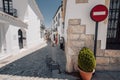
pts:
[113, 32]
[8, 6]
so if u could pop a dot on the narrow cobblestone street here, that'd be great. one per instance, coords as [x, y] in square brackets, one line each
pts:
[35, 65]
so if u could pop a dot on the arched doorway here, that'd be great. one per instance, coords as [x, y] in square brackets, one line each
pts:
[20, 38]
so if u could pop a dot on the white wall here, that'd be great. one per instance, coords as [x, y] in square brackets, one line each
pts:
[82, 11]
[11, 35]
[1, 38]
[60, 26]
[35, 8]
[9, 38]
[9, 32]
[26, 14]
[33, 31]
[21, 6]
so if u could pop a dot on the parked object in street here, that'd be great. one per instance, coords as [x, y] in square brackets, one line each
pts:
[86, 63]
[62, 43]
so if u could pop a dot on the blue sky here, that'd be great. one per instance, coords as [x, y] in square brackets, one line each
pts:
[48, 9]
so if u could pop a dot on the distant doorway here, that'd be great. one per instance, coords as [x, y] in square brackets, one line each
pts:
[20, 38]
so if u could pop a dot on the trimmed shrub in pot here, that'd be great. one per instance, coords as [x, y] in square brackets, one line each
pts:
[86, 63]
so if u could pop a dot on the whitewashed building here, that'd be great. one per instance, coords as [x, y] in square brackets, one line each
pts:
[80, 29]
[57, 24]
[20, 22]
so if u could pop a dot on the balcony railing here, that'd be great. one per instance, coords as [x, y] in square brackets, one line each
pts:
[13, 12]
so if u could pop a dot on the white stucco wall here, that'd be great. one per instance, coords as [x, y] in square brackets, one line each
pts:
[2, 38]
[60, 23]
[82, 11]
[9, 38]
[33, 31]
[7, 41]
[12, 39]
[21, 6]
[26, 14]
[60, 26]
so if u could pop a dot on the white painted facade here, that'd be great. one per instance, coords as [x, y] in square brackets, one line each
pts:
[82, 11]
[57, 23]
[29, 19]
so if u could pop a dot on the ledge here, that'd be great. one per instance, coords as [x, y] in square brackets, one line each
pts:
[6, 18]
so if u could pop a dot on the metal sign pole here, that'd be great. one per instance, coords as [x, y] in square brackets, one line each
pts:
[98, 13]
[95, 41]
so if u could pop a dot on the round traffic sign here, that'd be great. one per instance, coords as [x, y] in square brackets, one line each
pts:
[99, 13]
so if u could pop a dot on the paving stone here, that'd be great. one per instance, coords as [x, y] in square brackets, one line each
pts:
[33, 66]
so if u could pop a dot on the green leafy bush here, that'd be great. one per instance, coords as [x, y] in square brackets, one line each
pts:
[86, 60]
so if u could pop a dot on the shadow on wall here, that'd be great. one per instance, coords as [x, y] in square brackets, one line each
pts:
[3, 30]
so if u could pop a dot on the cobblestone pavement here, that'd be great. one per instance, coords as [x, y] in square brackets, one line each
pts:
[34, 66]
[106, 75]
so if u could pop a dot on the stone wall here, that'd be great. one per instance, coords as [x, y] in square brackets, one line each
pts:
[77, 39]
[108, 60]
[81, 1]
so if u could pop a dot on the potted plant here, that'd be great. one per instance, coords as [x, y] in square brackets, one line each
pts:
[86, 63]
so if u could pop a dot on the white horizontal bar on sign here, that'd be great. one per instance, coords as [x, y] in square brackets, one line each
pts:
[99, 13]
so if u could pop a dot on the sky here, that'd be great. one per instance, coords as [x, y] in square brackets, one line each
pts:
[48, 9]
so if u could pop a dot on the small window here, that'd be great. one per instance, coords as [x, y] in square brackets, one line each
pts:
[8, 6]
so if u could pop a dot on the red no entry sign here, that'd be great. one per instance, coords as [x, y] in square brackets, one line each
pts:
[99, 13]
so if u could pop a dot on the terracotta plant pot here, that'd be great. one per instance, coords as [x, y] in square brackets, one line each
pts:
[85, 75]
